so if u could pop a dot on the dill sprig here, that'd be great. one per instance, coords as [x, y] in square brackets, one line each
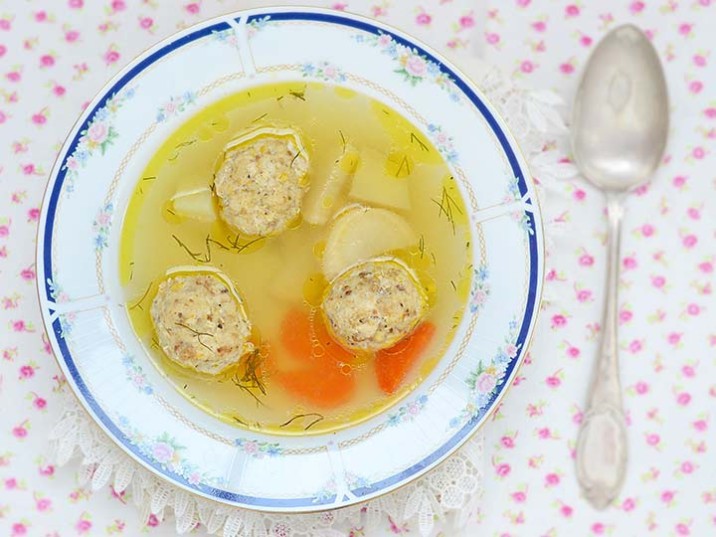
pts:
[199, 335]
[251, 370]
[250, 379]
[414, 139]
[178, 147]
[404, 164]
[446, 206]
[209, 242]
[138, 303]
[298, 94]
[247, 390]
[250, 243]
[295, 157]
[236, 244]
[315, 415]
[196, 256]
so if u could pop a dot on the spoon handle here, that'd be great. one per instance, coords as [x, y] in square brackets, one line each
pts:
[602, 444]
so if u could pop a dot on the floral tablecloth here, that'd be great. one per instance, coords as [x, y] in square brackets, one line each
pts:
[55, 55]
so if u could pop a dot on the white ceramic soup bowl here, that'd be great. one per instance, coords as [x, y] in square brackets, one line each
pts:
[83, 305]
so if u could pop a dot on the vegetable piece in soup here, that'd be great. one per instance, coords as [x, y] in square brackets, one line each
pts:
[261, 183]
[360, 233]
[373, 305]
[200, 322]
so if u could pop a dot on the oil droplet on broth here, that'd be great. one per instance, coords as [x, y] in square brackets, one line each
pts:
[296, 222]
[318, 249]
[275, 274]
[327, 202]
[204, 134]
[314, 289]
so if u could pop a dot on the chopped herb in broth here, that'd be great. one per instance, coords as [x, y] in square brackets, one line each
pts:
[376, 191]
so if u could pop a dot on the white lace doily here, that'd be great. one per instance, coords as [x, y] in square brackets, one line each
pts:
[451, 491]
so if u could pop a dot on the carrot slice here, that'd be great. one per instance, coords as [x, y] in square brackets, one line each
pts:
[393, 365]
[324, 389]
[308, 339]
[320, 378]
[296, 334]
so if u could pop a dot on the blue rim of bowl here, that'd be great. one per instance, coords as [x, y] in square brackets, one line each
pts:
[365, 492]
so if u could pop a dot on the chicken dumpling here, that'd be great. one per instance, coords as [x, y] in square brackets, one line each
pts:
[374, 304]
[200, 322]
[262, 182]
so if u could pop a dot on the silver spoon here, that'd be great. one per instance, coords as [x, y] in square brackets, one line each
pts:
[619, 129]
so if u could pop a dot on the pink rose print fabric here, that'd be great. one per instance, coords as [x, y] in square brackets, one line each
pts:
[54, 56]
[666, 301]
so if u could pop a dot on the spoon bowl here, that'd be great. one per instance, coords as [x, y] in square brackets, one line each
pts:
[620, 119]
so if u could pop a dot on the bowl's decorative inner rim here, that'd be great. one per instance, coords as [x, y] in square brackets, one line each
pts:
[85, 318]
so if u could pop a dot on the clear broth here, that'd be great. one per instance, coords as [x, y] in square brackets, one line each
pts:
[275, 274]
